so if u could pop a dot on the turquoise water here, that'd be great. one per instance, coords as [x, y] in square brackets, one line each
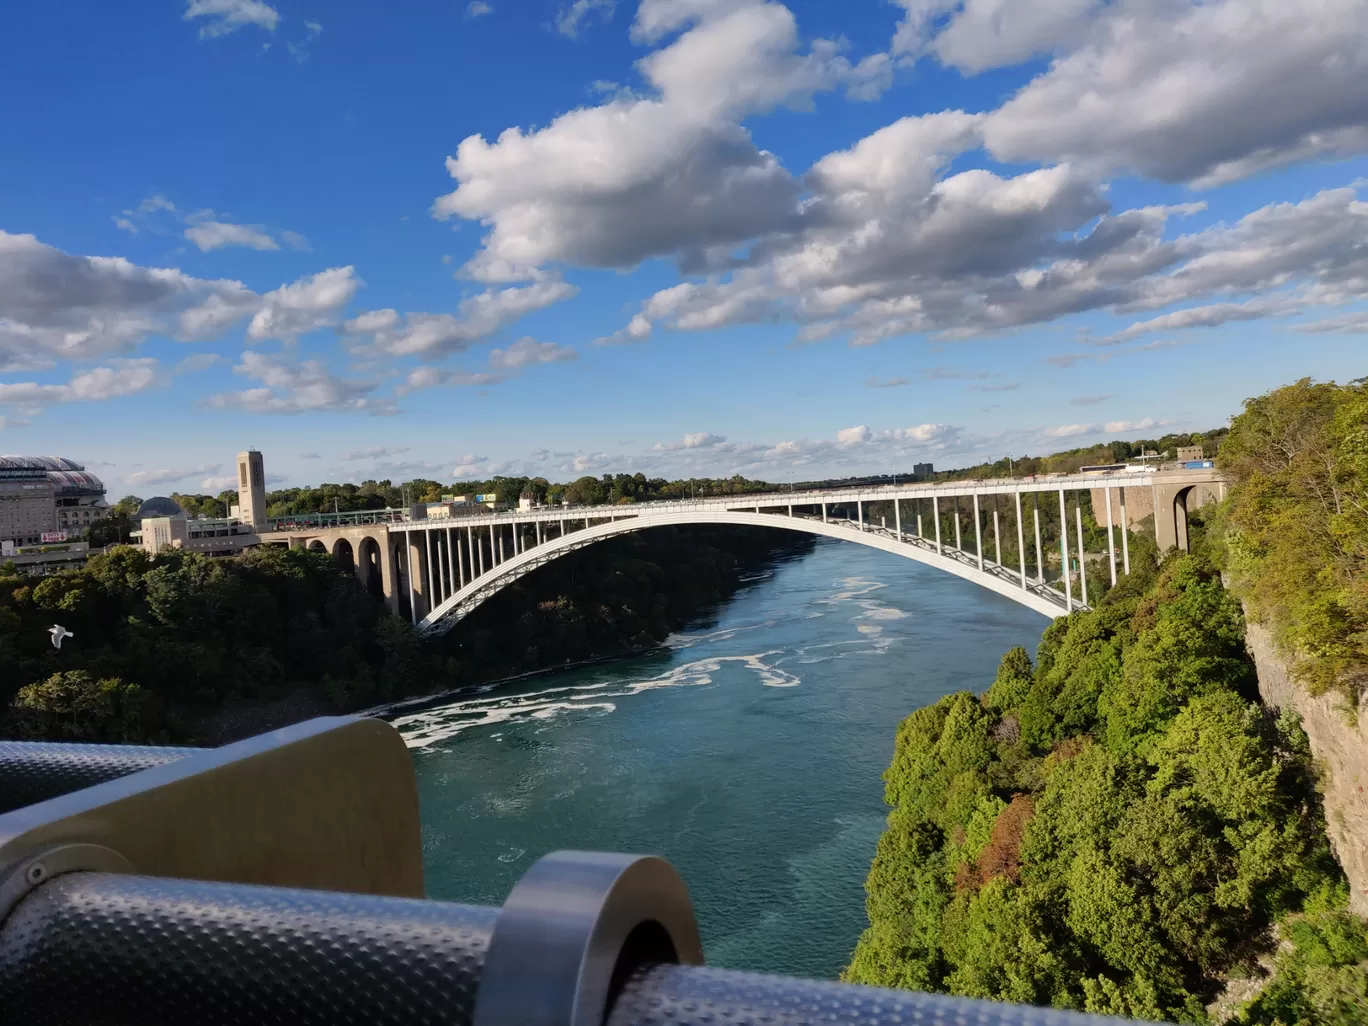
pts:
[748, 752]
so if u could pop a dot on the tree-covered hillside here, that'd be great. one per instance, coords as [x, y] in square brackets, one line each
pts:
[1115, 828]
[1296, 527]
[179, 647]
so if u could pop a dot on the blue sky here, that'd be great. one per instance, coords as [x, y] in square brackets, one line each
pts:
[686, 237]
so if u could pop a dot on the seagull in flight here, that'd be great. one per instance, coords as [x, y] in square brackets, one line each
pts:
[59, 632]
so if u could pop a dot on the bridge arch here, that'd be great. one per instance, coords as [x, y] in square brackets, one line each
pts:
[342, 552]
[1041, 598]
[1187, 500]
[371, 565]
[318, 545]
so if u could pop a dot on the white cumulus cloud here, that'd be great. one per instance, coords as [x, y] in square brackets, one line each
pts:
[291, 387]
[209, 235]
[225, 16]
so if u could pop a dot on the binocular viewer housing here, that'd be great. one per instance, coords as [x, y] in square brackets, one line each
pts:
[280, 880]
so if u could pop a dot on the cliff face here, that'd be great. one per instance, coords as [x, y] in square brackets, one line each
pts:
[1341, 753]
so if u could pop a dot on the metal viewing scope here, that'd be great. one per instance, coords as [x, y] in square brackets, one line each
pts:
[279, 880]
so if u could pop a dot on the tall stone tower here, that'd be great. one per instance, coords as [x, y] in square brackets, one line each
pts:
[252, 488]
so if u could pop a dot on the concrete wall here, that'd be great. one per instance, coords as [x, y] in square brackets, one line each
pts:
[1174, 496]
[1341, 753]
[1139, 504]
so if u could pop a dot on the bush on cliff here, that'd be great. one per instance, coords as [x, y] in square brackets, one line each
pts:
[1114, 829]
[1296, 526]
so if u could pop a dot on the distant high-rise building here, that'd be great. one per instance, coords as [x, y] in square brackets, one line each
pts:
[252, 488]
[922, 471]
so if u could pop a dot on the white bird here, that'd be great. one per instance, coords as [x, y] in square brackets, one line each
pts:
[59, 632]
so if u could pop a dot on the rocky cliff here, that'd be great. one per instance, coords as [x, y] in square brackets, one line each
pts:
[1341, 752]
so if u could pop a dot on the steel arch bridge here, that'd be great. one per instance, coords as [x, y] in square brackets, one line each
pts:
[437, 571]
[1035, 595]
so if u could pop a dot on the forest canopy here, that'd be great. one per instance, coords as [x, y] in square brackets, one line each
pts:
[1112, 829]
[183, 647]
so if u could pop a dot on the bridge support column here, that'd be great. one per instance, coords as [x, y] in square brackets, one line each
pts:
[451, 562]
[424, 542]
[388, 576]
[978, 531]
[959, 542]
[824, 513]
[1125, 535]
[1021, 541]
[1111, 538]
[435, 546]
[859, 512]
[479, 553]
[897, 517]
[920, 533]
[1064, 552]
[460, 561]
[1040, 551]
[408, 564]
[997, 536]
[935, 515]
[1082, 552]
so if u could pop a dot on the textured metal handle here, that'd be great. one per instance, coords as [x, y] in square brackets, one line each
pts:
[104, 949]
[32, 772]
[95, 948]
[686, 995]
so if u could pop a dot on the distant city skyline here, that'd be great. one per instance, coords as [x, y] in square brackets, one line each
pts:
[681, 237]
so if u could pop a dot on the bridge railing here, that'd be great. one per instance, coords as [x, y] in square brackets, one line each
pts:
[279, 880]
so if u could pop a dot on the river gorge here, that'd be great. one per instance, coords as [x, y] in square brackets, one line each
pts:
[748, 751]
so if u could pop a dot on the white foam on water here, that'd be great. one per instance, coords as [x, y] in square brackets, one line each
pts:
[432, 726]
[853, 588]
[725, 634]
[875, 611]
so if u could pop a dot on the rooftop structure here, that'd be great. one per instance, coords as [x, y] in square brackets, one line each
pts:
[45, 495]
[158, 506]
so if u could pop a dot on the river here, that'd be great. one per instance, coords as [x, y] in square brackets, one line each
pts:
[748, 751]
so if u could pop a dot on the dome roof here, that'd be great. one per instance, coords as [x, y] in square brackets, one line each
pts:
[159, 506]
[69, 478]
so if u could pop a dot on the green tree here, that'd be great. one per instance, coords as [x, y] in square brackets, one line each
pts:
[74, 705]
[1113, 829]
[1296, 526]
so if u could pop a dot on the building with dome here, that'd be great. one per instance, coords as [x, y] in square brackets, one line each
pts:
[158, 506]
[162, 524]
[47, 496]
